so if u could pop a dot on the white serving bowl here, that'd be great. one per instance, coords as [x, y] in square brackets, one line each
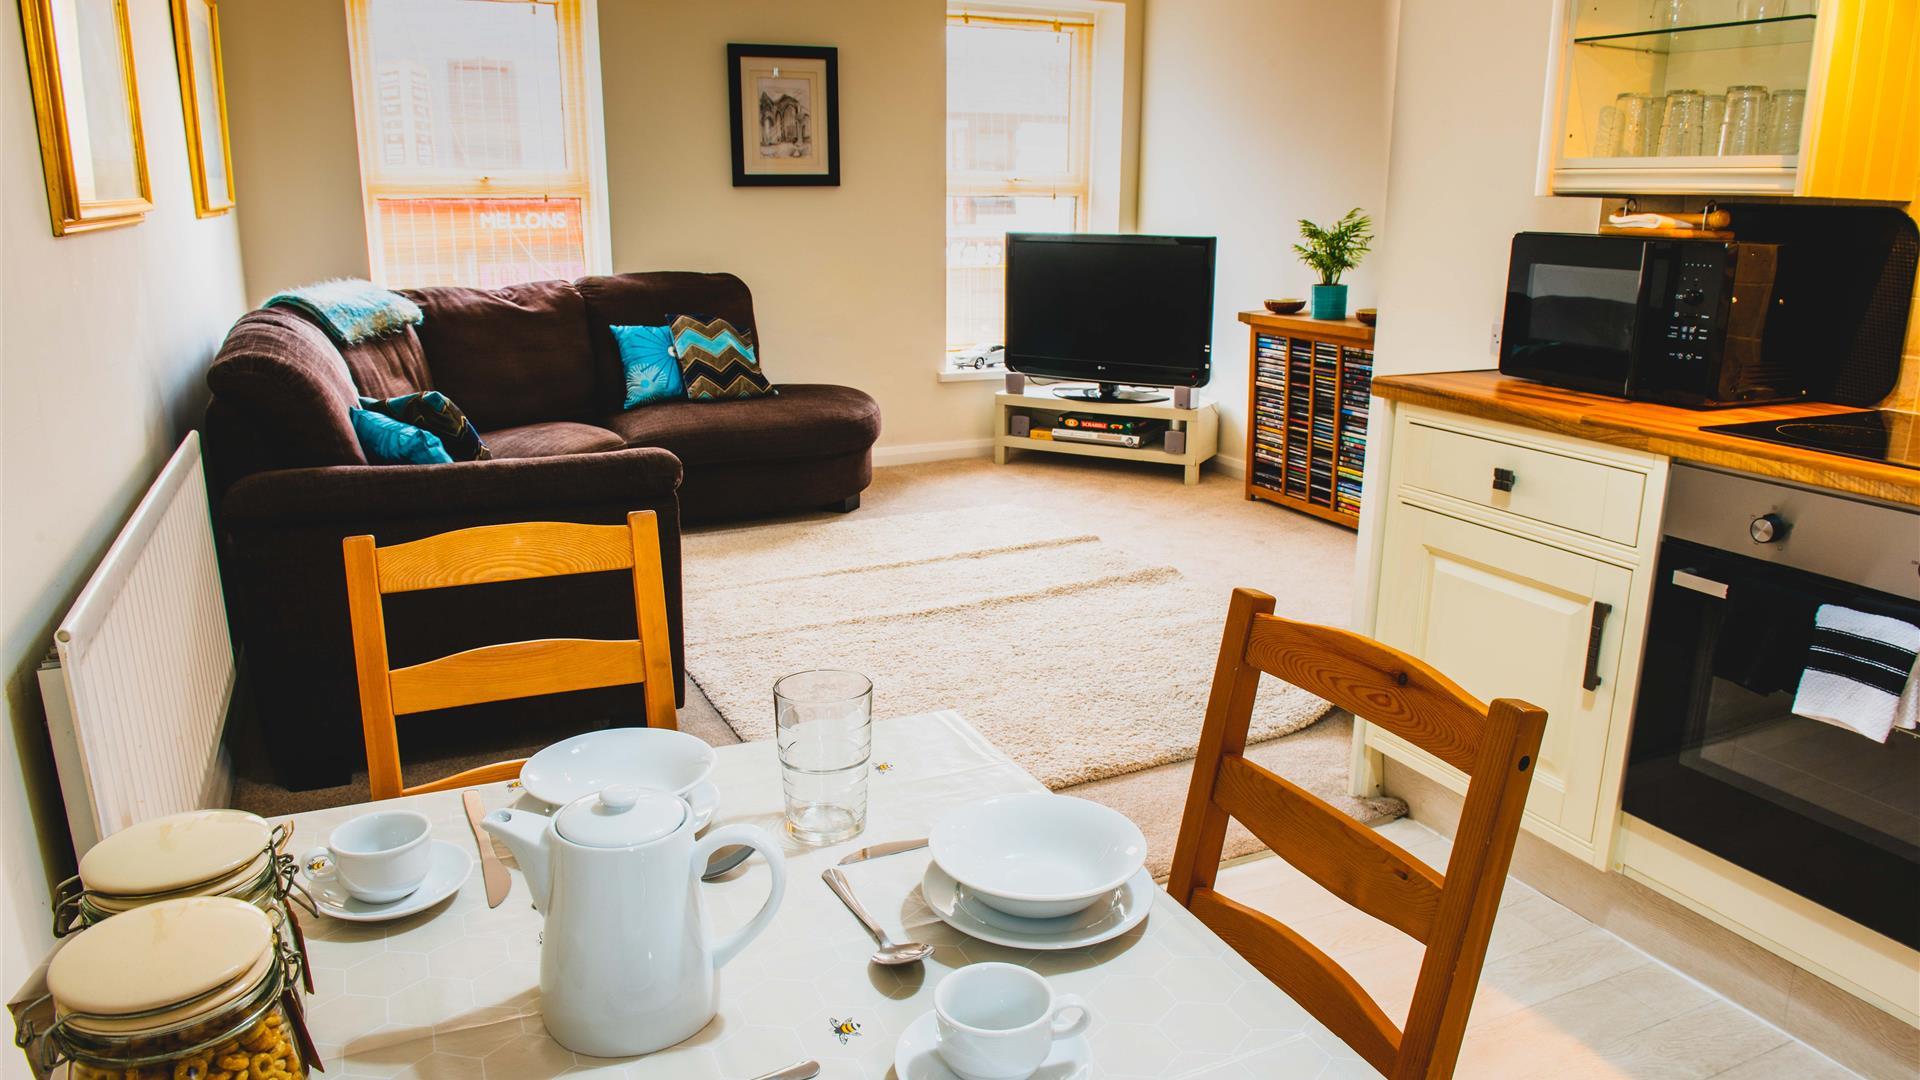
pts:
[659, 759]
[1036, 855]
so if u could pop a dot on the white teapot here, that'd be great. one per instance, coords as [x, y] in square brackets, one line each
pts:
[626, 966]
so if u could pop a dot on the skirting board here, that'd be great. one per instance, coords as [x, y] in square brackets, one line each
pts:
[914, 453]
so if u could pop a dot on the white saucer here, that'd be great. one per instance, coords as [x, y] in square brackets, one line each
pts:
[1106, 919]
[704, 800]
[451, 866]
[917, 1056]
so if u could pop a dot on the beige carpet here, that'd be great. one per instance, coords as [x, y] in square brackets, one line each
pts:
[1074, 658]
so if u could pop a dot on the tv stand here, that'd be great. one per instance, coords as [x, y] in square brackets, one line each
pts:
[1192, 438]
[1107, 392]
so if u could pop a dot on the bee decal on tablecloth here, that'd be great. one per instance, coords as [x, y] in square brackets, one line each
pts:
[883, 767]
[844, 1029]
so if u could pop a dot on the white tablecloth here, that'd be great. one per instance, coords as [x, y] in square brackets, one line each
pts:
[454, 991]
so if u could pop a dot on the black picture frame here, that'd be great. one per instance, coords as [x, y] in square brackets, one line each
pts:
[829, 57]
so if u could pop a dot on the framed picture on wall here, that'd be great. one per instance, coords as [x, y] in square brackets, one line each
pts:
[786, 115]
[203, 97]
[87, 107]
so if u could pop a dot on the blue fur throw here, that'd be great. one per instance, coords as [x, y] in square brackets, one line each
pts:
[350, 309]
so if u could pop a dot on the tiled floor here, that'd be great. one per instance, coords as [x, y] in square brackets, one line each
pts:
[1559, 997]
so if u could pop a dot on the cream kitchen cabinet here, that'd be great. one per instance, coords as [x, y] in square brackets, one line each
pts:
[1518, 564]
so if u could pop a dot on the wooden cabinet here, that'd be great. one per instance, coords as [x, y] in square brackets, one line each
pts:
[1842, 67]
[1309, 383]
[1518, 564]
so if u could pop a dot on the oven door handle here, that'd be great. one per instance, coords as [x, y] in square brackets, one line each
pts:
[1687, 579]
[1590, 679]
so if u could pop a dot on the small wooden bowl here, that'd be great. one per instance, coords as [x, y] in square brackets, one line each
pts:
[1285, 307]
[1367, 315]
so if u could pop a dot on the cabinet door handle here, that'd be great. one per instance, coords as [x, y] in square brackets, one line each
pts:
[1503, 479]
[1591, 679]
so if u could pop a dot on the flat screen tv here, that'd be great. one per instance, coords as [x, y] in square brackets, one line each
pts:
[1112, 310]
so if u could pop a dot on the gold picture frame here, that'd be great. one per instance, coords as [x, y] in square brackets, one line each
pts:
[86, 103]
[196, 50]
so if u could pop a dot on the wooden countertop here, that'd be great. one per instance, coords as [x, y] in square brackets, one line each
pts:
[1657, 429]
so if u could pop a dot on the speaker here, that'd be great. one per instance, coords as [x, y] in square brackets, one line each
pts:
[1016, 383]
[1019, 425]
[1176, 442]
[1183, 397]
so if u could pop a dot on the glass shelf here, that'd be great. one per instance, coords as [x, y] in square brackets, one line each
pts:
[1709, 37]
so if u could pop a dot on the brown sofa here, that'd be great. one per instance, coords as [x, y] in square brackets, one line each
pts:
[535, 369]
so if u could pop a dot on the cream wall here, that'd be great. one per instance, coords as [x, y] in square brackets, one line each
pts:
[103, 341]
[1256, 113]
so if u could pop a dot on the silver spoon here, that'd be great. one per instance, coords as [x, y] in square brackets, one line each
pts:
[724, 860]
[889, 953]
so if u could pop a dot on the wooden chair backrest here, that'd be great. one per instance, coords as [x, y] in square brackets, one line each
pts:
[1453, 915]
[490, 553]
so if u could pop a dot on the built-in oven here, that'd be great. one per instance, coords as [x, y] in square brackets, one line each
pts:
[1720, 758]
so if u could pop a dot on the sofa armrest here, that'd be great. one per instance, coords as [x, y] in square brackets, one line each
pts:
[522, 485]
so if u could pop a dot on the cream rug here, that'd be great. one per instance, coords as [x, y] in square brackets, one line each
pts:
[1075, 659]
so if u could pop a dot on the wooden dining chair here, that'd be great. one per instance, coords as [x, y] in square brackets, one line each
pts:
[1496, 745]
[490, 553]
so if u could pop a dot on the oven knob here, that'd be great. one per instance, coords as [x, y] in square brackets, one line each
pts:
[1767, 529]
[1693, 296]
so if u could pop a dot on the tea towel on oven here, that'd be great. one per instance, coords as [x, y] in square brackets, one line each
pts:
[1858, 666]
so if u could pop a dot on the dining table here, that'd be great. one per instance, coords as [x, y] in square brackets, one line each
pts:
[453, 991]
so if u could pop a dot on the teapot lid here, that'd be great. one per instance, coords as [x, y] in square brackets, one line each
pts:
[620, 815]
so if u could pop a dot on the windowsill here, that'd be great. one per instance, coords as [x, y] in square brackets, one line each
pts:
[954, 374]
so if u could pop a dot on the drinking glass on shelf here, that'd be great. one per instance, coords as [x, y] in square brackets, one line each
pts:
[1639, 123]
[1746, 115]
[824, 725]
[1667, 13]
[1606, 134]
[1680, 125]
[1754, 10]
[1715, 121]
[1781, 134]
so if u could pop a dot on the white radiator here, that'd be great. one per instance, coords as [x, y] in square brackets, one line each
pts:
[142, 670]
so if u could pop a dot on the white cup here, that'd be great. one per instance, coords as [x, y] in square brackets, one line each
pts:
[377, 858]
[999, 1021]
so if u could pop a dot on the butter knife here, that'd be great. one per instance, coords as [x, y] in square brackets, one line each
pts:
[799, 1070]
[492, 871]
[891, 847]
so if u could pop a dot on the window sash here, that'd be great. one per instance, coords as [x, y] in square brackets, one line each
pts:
[380, 183]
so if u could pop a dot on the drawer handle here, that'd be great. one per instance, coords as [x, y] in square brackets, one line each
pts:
[1591, 679]
[1503, 479]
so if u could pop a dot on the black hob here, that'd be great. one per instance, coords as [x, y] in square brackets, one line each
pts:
[1873, 435]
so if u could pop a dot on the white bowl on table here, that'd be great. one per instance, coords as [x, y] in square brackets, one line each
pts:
[658, 759]
[1036, 855]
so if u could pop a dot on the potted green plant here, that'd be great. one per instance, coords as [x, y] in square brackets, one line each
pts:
[1332, 252]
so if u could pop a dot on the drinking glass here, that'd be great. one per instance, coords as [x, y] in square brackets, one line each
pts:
[1680, 126]
[824, 721]
[1716, 121]
[1781, 135]
[1666, 13]
[1606, 135]
[1639, 124]
[1746, 113]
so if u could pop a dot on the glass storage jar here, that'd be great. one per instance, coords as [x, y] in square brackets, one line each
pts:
[198, 853]
[191, 989]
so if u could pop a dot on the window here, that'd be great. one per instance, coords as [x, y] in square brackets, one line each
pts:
[1018, 128]
[475, 147]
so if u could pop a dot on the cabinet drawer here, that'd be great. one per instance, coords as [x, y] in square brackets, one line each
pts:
[1570, 492]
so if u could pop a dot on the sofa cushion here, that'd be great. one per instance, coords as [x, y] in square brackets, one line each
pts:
[389, 365]
[803, 420]
[652, 300]
[429, 411]
[280, 377]
[551, 439]
[510, 356]
[653, 373]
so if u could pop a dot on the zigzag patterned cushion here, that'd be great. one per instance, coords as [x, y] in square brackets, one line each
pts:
[717, 361]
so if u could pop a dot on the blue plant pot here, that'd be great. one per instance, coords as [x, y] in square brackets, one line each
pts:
[1329, 301]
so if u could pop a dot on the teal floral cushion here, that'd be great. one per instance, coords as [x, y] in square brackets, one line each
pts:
[387, 441]
[653, 374]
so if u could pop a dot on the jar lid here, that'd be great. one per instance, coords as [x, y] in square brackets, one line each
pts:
[167, 955]
[620, 816]
[174, 852]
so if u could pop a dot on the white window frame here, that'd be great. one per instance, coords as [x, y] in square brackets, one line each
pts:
[586, 142]
[1076, 180]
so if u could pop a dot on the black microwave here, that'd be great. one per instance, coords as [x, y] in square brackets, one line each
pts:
[1687, 322]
